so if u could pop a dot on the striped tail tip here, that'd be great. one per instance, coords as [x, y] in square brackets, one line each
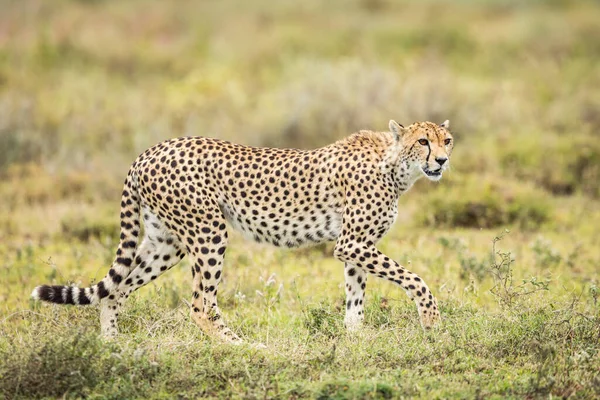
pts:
[36, 293]
[61, 295]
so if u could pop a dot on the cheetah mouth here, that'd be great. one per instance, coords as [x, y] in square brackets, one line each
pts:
[433, 175]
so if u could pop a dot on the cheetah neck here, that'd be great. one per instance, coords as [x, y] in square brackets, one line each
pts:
[396, 164]
[405, 176]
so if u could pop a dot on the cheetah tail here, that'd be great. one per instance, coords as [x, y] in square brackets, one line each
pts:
[121, 267]
[69, 294]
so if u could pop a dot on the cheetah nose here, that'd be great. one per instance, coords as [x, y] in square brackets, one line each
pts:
[441, 160]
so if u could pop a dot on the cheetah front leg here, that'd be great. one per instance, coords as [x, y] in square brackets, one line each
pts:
[355, 246]
[377, 263]
[356, 281]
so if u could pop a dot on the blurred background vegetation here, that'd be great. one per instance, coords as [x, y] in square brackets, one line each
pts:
[87, 85]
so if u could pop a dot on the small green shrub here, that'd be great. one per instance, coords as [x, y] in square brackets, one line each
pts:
[507, 292]
[545, 255]
[471, 266]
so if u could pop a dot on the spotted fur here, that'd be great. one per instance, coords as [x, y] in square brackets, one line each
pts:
[188, 190]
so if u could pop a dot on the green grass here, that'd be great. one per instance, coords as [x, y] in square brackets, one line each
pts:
[536, 344]
[87, 85]
[532, 353]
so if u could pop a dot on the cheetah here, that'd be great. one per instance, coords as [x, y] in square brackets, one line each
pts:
[188, 190]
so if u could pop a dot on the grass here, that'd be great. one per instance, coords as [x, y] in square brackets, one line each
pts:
[537, 353]
[87, 85]
[507, 342]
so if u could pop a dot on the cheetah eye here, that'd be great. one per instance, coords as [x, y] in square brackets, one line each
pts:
[423, 142]
[447, 141]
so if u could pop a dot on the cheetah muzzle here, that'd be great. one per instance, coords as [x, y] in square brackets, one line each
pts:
[433, 175]
[188, 191]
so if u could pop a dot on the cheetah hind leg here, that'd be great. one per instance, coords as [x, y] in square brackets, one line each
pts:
[204, 309]
[207, 265]
[158, 252]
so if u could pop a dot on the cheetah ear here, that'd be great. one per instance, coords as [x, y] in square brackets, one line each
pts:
[445, 124]
[396, 129]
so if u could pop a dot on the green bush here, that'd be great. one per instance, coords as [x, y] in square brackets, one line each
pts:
[85, 228]
[562, 165]
[486, 204]
[30, 184]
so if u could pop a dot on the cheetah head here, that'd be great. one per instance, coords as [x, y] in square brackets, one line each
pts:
[426, 147]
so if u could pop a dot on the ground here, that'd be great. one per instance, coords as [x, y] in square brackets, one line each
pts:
[85, 86]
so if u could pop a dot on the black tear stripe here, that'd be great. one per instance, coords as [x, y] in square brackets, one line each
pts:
[411, 147]
[428, 153]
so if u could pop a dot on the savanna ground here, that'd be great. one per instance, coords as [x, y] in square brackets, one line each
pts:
[87, 85]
